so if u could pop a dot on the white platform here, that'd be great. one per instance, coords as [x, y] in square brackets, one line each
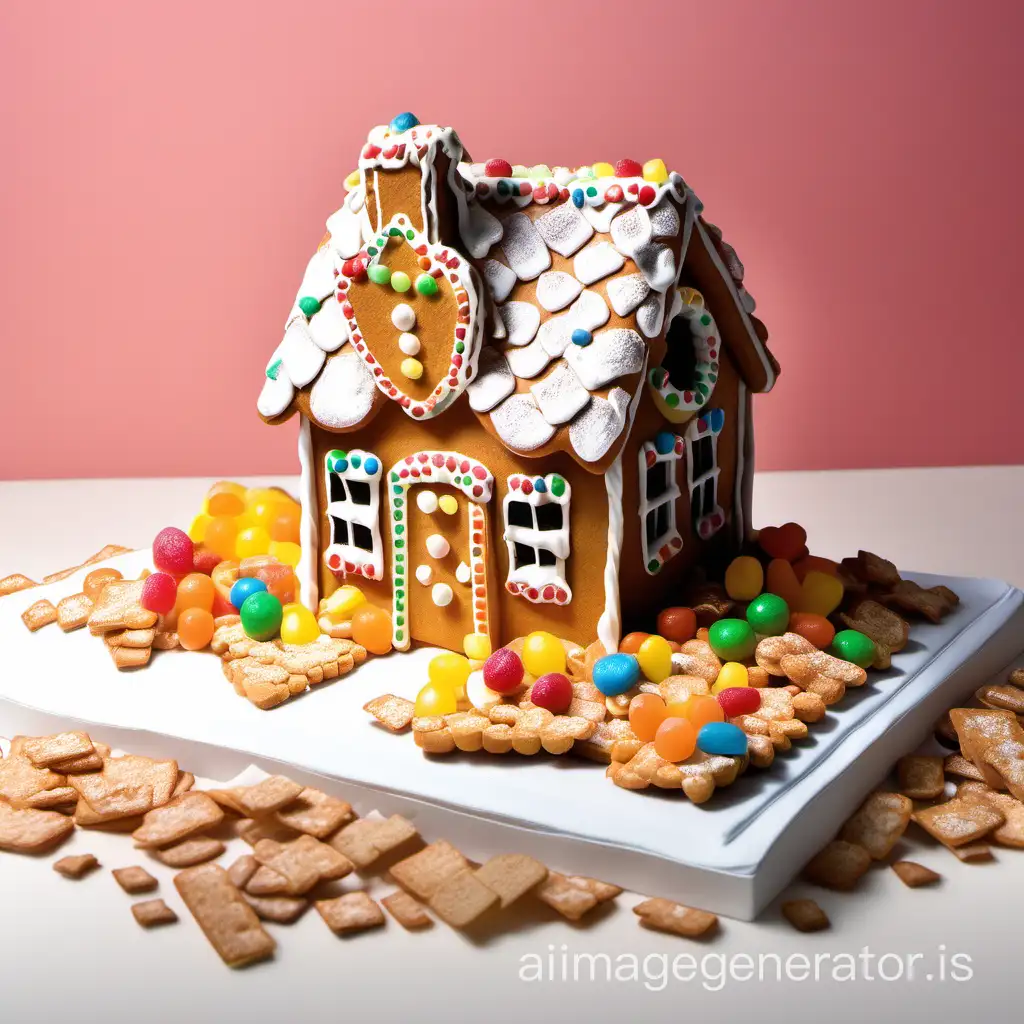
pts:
[731, 856]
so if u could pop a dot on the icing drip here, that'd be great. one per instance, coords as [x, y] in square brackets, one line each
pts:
[631, 230]
[614, 353]
[665, 219]
[343, 394]
[658, 265]
[560, 395]
[627, 292]
[609, 625]
[479, 230]
[309, 540]
[650, 314]
[520, 425]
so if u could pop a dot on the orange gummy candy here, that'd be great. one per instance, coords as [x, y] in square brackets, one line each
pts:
[285, 525]
[225, 498]
[816, 629]
[676, 739]
[781, 580]
[631, 642]
[646, 713]
[280, 580]
[371, 628]
[196, 590]
[97, 580]
[221, 532]
[195, 628]
[698, 710]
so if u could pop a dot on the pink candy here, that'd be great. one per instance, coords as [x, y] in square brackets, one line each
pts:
[497, 168]
[159, 592]
[552, 692]
[628, 169]
[173, 551]
[739, 700]
[503, 671]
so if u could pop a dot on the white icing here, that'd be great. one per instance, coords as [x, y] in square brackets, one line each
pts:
[519, 423]
[318, 281]
[555, 334]
[426, 501]
[480, 229]
[302, 359]
[609, 625]
[424, 574]
[521, 320]
[541, 584]
[409, 344]
[631, 230]
[479, 694]
[589, 311]
[556, 289]
[747, 300]
[669, 539]
[528, 361]
[463, 573]
[403, 316]
[327, 327]
[498, 332]
[343, 394]
[441, 594]
[600, 217]
[348, 555]
[493, 382]
[650, 314]
[524, 248]
[345, 226]
[614, 353]
[599, 425]
[437, 546]
[597, 261]
[560, 395]
[500, 280]
[627, 292]
[664, 218]
[658, 265]
[309, 538]
[276, 395]
[564, 229]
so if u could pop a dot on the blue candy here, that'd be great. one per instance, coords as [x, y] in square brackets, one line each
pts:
[721, 738]
[616, 673]
[403, 122]
[664, 442]
[371, 465]
[243, 588]
[581, 337]
[577, 196]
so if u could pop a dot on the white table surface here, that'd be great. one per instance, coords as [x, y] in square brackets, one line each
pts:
[74, 948]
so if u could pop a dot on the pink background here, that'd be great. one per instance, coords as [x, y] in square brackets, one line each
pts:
[167, 171]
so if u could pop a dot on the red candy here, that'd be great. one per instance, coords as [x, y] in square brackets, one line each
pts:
[552, 692]
[629, 169]
[222, 606]
[739, 700]
[496, 168]
[677, 624]
[205, 561]
[787, 541]
[503, 671]
[159, 592]
[173, 551]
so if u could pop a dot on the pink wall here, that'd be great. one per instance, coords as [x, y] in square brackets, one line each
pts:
[167, 170]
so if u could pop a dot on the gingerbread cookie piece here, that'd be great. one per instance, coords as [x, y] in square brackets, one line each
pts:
[119, 607]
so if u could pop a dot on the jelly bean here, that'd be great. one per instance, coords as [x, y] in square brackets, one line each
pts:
[731, 675]
[225, 499]
[781, 581]
[195, 590]
[205, 561]
[739, 700]
[159, 592]
[543, 653]
[553, 692]
[809, 562]
[298, 624]
[451, 670]
[261, 615]
[93, 584]
[242, 588]
[477, 646]
[631, 642]
[173, 551]
[768, 615]
[504, 671]
[435, 700]
[285, 525]
[253, 540]
[343, 602]
[744, 578]
[677, 624]
[786, 541]
[286, 552]
[700, 709]
[814, 628]
[852, 645]
[221, 533]
[197, 529]
[723, 739]
[732, 639]
[646, 712]
[448, 505]
[195, 628]
[224, 575]
[616, 673]
[676, 739]
[371, 628]
[655, 658]
[820, 593]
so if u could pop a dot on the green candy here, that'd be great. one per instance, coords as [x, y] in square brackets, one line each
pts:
[852, 645]
[732, 639]
[309, 306]
[400, 281]
[261, 615]
[426, 284]
[379, 274]
[768, 615]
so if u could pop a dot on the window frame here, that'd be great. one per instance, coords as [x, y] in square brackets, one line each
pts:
[707, 426]
[669, 543]
[349, 558]
[539, 584]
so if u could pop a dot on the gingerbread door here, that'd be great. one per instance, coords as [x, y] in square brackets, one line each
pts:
[440, 548]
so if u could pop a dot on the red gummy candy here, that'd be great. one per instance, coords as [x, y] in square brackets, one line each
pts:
[628, 169]
[205, 561]
[173, 551]
[503, 671]
[159, 592]
[552, 692]
[739, 700]
[497, 168]
[787, 541]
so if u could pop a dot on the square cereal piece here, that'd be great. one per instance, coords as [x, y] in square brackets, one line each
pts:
[192, 812]
[570, 900]
[134, 879]
[252, 832]
[913, 875]
[279, 909]
[423, 873]
[921, 778]
[101, 802]
[242, 870]
[130, 638]
[838, 866]
[353, 841]
[186, 780]
[153, 914]
[406, 910]
[353, 912]
[73, 612]
[511, 875]
[394, 713]
[879, 823]
[315, 813]
[959, 821]
[392, 833]
[1011, 832]
[20, 780]
[972, 853]
[227, 921]
[266, 882]
[981, 729]
[191, 851]
[84, 763]
[665, 916]
[40, 614]
[270, 795]
[15, 582]
[31, 831]
[602, 891]
[77, 866]
[957, 764]
[461, 898]
[49, 799]
[805, 915]
[229, 799]
[118, 607]
[130, 657]
[302, 863]
[44, 751]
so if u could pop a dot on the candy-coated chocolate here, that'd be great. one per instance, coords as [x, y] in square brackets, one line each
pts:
[243, 588]
[173, 551]
[852, 645]
[722, 738]
[195, 628]
[732, 639]
[676, 739]
[820, 593]
[631, 642]
[543, 653]
[744, 578]
[261, 615]
[646, 712]
[371, 628]
[739, 700]
[816, 629]
[553, 692]
[477, 646]
[616, 673]
[655, 658]
[768, 614]
[504, 671]
[159, 592]
[435, 699]
[677, 624]
[731, 675]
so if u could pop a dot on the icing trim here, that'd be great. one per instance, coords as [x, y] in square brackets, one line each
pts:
[705, 427]
[609, 625]
[541, 584]
[309, 534]
[346, 558]
[669, 543]
[677, 405]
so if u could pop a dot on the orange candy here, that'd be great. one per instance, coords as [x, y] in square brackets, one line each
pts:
[786, 541]
[698, 710]
[224, 576]
[646, 713]
[781, 580]
[280, 581]
[631, 642]
[196, 590]
[225, 499]
[221, 532]
[97, 580]
[285, 525]
[702, 634]
[813, 563]
[371, 628]
[676, 739]
[677, 624]
[814, 628]
[195, 628]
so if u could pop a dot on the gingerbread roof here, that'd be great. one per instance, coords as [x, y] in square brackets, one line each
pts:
[572, 278]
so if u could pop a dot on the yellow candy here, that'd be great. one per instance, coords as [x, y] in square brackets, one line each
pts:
[731, 674]
[257, 494]
[655, 658]
[253, 540]
[543, 653]
[448, 504]
[820, 593]
[477, 646]
[197, 531]
[435, 700]
[412, 368]
[744, 579]
[603, 170]
[519, 171]
[262, 513]
[285, 551]
[352, 180]
[451, 671]
[298, 625]
[656, 171]
[342, 603]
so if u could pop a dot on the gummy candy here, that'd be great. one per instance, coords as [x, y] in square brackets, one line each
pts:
[253, 540]
[809, 562]
[173, 551]
[477, 646]
[285, 551]
[205, 561]
[450, 670]
[225, 498]
[814, 628]
[722, 738]
[197, 530]
[280, 581]
[677, 624]
[224, 575]
[820, 593]
[342, 603]
[220, 535]
[435, 700]
[159, 592]
[298, 624]
[503, 671]
[543, 653]
[195, 590]
[285, 524]
[786, 541]
[371, 628]
[732, 674]
[646, 713]
[553, 692]
[655, 658]
[739, 700]
[744, 578]
[699, 709]
[94, 583]
[676, 739]
[631, 642]
[616, 673]
[261, 615]
[732, 639]
[782, 581]
[195, 628]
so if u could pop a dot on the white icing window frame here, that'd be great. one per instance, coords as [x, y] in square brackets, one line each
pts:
[707, 426]
[350, 559]
[539, 584]
[669, 543]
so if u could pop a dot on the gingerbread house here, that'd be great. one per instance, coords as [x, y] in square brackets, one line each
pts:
[525, 396]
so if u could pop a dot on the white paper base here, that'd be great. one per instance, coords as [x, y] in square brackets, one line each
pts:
[731, 856]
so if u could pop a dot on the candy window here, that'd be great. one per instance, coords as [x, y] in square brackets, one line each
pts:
[702, 471]
[352, 484]
[537, 534]
[659, 470]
